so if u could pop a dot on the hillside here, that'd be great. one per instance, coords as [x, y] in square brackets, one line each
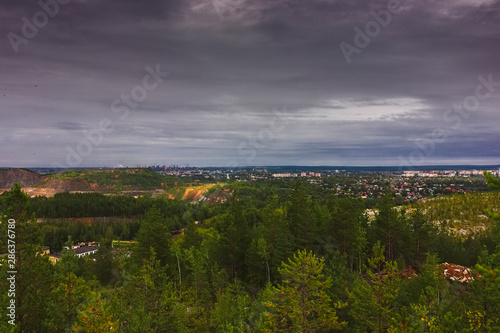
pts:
[134, 182]
[462, 213]
[104, 180]
[26, 178]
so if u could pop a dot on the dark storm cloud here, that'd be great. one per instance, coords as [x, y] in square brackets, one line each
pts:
[231, 63]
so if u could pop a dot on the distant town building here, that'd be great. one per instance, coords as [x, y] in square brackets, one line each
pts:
[284, 175]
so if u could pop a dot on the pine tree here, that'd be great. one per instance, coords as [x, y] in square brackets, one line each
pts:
[104, 264]
[146, 302]
[69, 291]
[258, 255]
[153, 234]
[424, 300]
[34, 275]
[422, 231]
[271, 241]
[372, 299]
[234, 242]
[95, 317]
[300, 303]
[231, 311]
[483, 296]
[390, 228]
[302, 224]
[346, 228]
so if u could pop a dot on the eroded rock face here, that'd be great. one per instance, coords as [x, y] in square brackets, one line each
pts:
[26, 178]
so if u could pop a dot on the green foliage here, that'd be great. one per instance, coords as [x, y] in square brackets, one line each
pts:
[425, 299]
[74, 205]
[300, 218]
[422, 231]
[239, 270]
[391, 229]
[272, 243]
[345, 228]
[95, 316]
[154, 234]
[233, 229]
[55, 234]
[34, 276]
[483, 297]
[70, 293]
[373, 299]
[147, 301]
[231, 311]
[104, 265]
[462, 213]
[493, 182]
[300, 302]
[138, 179]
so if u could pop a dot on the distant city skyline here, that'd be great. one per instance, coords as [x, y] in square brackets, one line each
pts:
[249, 82]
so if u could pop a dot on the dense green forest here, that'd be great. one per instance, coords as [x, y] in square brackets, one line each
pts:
[278, 257]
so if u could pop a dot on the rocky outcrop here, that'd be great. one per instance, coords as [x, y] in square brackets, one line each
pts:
[458, 273]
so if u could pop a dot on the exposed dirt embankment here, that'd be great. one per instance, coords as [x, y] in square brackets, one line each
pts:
[26, 178]
[53, 186]
[218, 196]
[195, 193]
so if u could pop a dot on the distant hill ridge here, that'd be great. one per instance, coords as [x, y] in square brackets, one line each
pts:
[130, 181]
[80, 180]
[26, 178]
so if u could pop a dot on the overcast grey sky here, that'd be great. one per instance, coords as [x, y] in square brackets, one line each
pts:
[250, 82]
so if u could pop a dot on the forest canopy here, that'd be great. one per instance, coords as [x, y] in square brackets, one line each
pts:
[271, 259]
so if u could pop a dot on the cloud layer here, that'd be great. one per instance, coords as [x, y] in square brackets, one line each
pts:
[234, 66]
